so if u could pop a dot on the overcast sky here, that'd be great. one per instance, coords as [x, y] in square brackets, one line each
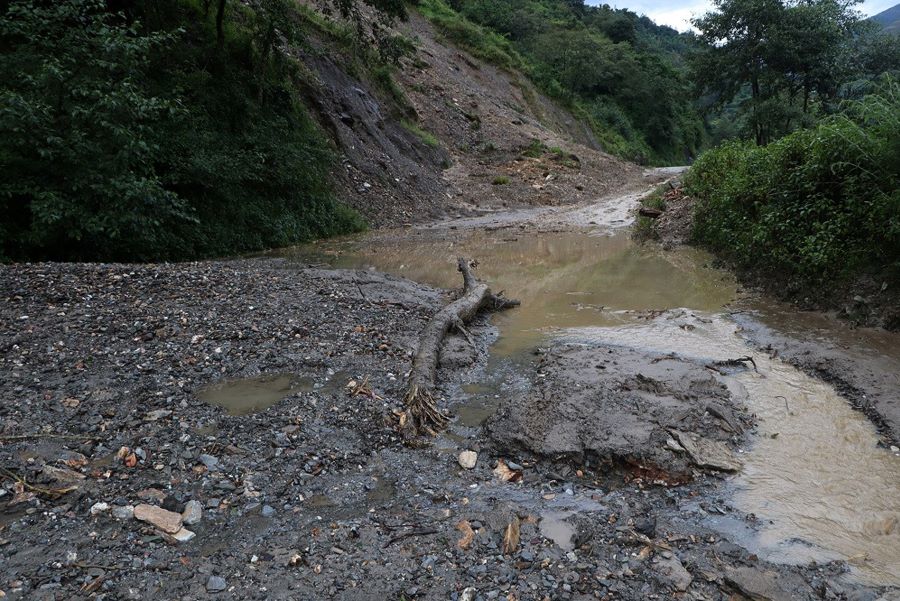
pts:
[678, 13]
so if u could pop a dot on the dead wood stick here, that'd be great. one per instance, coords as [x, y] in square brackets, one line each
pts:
[405, 535]
[421, 414]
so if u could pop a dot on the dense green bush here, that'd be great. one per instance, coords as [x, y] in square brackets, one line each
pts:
[119, 142]
[816, 206]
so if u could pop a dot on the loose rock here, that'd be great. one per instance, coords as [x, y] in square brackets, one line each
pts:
[467, 459]
[167, 521]
[98, 508]
[193, 512]
[216, 584]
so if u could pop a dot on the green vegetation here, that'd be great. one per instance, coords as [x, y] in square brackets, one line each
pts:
[170, 130]
[620, 73]
[480, 41]
[776, 67]
[535, 149]
[818, 206]
[809, 193]
[500, 180]
[645, 227]
[426, 137]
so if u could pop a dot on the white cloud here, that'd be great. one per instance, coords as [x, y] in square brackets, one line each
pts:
[679, 15]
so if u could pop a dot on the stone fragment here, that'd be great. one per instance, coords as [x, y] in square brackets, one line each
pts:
[123, 512]
[215, 584]
[708, 453]
[182, 536]
[467, 459]
[209, 461]
[193, 512]
[767, 585]
[157, 415]
[672, 572]
[61, 474]
[152, 493]
[98, 508]
[165, 520]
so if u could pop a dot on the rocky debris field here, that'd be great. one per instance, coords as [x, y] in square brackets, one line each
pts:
[119, 483]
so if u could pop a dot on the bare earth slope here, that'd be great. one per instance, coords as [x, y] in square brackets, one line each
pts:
[483, 119]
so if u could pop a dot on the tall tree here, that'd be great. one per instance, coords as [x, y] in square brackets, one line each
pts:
[776, 59]
[78, 128]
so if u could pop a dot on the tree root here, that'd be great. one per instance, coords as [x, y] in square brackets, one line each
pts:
[420, 414]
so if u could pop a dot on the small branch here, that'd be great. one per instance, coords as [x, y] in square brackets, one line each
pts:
[50, 492]
[411, 533]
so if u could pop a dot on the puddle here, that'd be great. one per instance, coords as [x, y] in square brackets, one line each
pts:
[482, 402]
[382, 491]
[553, 525]
[250, 395]
[815, 477]
[564, 279]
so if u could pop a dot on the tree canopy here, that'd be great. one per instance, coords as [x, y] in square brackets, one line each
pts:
[785, 65]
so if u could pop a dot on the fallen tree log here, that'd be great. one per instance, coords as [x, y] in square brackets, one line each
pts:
[420, 414]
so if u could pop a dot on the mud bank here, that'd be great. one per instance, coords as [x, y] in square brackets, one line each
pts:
[867, 300]
[615, 405]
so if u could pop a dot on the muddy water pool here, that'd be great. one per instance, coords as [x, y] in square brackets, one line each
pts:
[815, 475]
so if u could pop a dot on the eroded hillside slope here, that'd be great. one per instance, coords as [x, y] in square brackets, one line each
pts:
[455, 136]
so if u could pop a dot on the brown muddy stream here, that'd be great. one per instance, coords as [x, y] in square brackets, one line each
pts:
[814, 473]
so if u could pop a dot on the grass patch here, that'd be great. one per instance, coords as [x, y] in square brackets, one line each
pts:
[500, 180]
[480, 41]
[535, 149]
[425, 136]
[657, 198]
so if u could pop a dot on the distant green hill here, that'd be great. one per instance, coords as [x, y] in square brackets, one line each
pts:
[889, 19]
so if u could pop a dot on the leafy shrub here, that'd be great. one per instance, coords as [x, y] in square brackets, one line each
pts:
[120, 143]
[426, 136]
[817, 205]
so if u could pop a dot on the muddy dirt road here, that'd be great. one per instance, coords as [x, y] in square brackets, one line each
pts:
[624, 447]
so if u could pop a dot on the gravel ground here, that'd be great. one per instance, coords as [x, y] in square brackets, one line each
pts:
[317, 497]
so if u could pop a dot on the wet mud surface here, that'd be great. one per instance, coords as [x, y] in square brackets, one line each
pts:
[863, 364]
[607, 425]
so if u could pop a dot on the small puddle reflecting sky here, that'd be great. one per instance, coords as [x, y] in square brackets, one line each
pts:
[821, 487]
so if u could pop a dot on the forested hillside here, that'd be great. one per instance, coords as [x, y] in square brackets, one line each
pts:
[889, 19]
[181, 129]
[163, 129]
[176, 129]
[621, 73]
